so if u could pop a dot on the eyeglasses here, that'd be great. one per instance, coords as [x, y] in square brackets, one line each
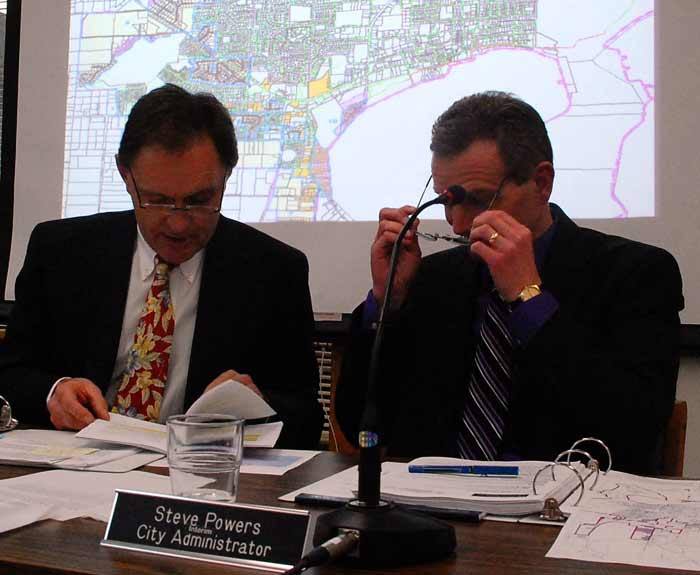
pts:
[192, 206]
[472, 201]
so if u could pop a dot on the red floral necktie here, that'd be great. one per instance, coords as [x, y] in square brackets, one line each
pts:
[143, 381]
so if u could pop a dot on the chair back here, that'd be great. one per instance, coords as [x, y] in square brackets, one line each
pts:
[673, 453]
[329, 356]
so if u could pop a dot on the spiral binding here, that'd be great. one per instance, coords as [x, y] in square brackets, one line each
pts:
[552, 510]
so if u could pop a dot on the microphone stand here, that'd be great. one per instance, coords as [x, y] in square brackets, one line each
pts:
[388, 534]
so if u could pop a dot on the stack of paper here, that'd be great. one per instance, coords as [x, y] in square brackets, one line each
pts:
[62, 449]
[496, 494]
[229, 398]
[63, 495]
[637, 520]
[154, 436]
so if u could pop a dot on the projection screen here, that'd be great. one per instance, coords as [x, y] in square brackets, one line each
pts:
[333, 104]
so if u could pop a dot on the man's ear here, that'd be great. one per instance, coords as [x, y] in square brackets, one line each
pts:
[123, 170]
[544, 180]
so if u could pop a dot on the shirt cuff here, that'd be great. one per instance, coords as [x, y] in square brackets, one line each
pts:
[53, 388]
[370, 311]
[529, 316]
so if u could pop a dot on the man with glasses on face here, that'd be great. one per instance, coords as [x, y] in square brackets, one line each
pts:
[535, 333]
[139, 312]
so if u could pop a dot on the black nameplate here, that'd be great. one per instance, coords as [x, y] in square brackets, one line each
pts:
[269, 538]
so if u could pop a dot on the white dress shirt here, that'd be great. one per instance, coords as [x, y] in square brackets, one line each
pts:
[184, 292]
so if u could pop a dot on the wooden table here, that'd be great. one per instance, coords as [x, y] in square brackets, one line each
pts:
[486, 548]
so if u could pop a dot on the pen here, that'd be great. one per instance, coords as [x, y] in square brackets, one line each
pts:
[453, 514]
[484, 470]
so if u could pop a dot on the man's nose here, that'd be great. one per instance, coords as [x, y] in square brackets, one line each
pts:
[461, 221]
[178, 221]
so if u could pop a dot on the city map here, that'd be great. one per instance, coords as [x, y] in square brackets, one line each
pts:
[333, 101]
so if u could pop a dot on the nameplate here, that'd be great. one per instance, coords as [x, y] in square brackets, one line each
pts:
[268, 538]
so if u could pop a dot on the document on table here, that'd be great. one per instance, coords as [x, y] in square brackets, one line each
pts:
[341, 484]
[63, 495]
[62, 449]
[125, 430]
[497, 494]
[274, 461]
[635, 520]
[265, 461]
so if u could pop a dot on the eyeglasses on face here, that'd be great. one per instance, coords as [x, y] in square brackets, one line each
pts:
[192, 206]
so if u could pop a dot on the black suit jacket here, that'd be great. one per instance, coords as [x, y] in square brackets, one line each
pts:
[253, 315]
[605, 365]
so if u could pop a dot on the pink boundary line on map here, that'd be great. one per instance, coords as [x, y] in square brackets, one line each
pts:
[546, 53]
[650, 98]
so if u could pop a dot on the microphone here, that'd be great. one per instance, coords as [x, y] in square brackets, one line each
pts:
[389, 535]
[453, 195]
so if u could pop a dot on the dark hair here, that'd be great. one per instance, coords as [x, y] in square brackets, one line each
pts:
[173, 118]
[516, 127]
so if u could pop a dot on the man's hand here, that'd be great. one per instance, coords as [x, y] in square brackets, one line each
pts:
[391, 221]
[506, 246]
[75, 403]
[243, 378]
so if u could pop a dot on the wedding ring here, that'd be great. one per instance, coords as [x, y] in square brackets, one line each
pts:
[493, 237]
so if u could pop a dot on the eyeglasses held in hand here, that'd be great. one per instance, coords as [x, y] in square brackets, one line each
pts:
[472, 201]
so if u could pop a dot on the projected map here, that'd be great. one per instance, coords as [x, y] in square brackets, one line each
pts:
[333, 100]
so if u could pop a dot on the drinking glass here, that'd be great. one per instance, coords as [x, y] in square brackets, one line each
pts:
[204, 455]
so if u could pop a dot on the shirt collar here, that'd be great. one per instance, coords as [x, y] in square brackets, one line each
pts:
[146, 260]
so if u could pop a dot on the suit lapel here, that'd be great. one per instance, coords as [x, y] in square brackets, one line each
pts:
[112, 266]
[566, 259]
[447, 323]
[220, 307]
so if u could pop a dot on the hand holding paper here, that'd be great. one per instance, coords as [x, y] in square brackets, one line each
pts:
[232, 398]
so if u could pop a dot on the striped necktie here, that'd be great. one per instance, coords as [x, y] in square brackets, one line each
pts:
[143, 380]
[486, 406]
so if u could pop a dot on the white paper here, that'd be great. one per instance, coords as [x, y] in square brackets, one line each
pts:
[232, 398]
[502, 495]
[121, 464]
[635, 520]
[617, 491]
[14, 514]
[264, 461]
[128, 431]
[262, 434]
[64, 495]
[154, 436]
[658, 536]
[341, 484]
[274, 461]
[63, 449]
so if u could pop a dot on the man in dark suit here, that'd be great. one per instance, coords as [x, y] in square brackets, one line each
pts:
[81, 342]
[534, 335]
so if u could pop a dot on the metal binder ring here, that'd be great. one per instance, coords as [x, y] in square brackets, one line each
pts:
[7, 423]
[568, 453]
[592, 463]
[580, 479]
[599, 442]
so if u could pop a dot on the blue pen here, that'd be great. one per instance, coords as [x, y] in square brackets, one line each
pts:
[466, 469]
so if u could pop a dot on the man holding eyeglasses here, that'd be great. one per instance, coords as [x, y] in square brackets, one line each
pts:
[139, 312]
[534, 333]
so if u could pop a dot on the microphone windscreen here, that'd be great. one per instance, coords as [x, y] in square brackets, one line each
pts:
[455, 195]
